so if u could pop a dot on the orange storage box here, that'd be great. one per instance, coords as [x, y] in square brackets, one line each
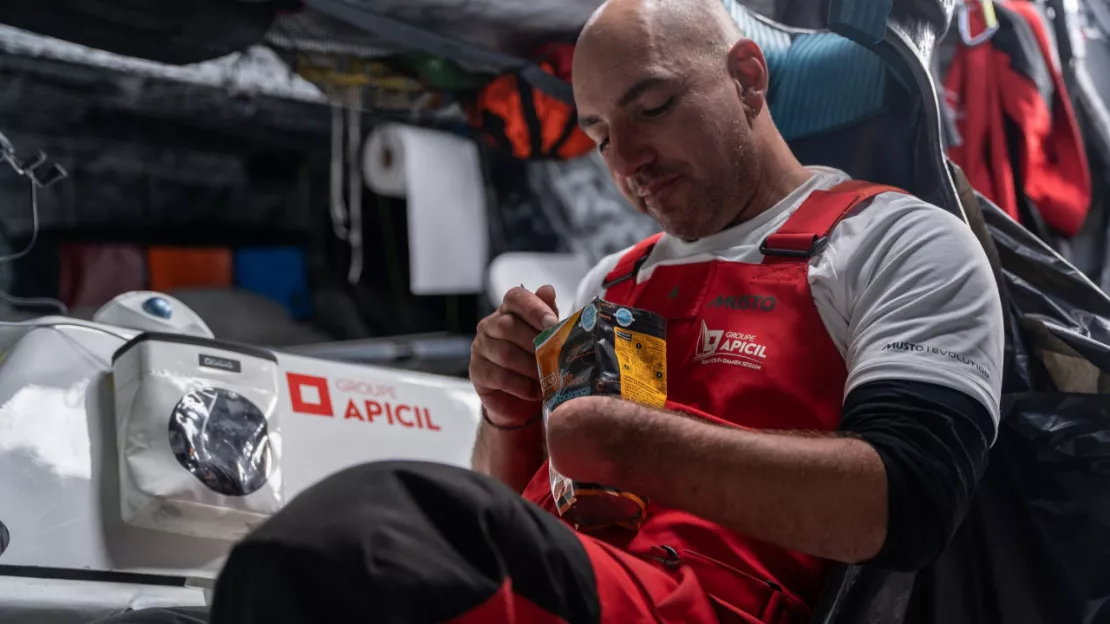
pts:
[172, 268]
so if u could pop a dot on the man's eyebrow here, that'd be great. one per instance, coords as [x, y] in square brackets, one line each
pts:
[629, 96]
[639, 88]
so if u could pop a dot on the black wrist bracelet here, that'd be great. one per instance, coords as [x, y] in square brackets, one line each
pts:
[524, 425]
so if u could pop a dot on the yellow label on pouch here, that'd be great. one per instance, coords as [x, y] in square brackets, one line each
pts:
[643, 363]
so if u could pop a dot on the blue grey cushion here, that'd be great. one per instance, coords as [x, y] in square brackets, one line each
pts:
[823, 82]
[820, 82]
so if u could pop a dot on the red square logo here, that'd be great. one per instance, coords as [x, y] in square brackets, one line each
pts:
[309, 394]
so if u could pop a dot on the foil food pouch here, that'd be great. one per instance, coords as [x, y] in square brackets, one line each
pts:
[602, 349]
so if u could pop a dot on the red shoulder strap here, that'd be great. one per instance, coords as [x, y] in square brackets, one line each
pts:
[807, 230]
[619, 282]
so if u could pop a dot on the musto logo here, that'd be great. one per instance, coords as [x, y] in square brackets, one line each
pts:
[719, 347]
[368, 402]
[743, 302]
[911, 347]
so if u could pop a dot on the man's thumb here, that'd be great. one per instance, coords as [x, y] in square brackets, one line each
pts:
[547, 295]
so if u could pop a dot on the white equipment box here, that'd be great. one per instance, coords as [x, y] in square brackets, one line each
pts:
[60, 495]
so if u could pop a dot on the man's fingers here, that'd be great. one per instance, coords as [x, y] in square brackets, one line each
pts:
[486, 374]
[510, 329]
[502, 357]
[530, 308]
[506, 355]
[547, 295]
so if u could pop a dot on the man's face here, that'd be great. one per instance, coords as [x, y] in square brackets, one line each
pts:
[672, 130]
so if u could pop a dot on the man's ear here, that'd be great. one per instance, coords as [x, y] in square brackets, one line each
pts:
[748, 69]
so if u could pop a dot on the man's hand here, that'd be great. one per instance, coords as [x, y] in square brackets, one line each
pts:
[503, 358]
[580, 436]
[821, 495]
[504, 373]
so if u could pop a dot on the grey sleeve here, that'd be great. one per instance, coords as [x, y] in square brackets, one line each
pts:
[920, 301]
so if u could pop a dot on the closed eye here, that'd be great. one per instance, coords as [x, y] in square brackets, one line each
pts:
[649, 113]
[659, 110]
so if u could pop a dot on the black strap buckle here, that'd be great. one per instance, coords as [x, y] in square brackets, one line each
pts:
[636, 266]
[819, 243]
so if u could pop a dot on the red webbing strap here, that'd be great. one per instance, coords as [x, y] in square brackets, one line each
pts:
[805, 232]
[621, 280]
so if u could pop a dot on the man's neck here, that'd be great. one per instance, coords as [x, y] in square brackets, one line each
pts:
[782, 174]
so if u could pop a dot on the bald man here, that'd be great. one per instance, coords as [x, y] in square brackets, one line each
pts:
[834, 354]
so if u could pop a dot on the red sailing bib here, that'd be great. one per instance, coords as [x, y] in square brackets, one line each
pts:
[745, 347]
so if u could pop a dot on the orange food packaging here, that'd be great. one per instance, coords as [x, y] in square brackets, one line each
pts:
[610, 350]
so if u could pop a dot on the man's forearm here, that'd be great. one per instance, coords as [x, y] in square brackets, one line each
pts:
[513, 457]
[821, 495]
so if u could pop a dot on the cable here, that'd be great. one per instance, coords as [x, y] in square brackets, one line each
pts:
[29, 326]
[95, 328]
[354, 181]
[335, 193]
[62, 308]
[54, 173]
[34, 228]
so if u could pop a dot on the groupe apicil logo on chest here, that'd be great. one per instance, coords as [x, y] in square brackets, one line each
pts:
[736, 348]
[368, 402]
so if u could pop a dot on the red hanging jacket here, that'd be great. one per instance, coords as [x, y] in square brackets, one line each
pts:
[991, 84]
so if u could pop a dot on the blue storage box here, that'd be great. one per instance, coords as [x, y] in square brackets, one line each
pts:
[275, 272]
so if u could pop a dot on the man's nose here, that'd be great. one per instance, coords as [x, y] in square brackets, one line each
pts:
[628, 154]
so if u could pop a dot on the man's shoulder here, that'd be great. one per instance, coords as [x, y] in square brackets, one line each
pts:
[917, 298]
[895, 218]
[898, 243]
[889, 205]
[593, 285]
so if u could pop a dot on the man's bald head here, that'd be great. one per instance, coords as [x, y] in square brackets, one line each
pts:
[673, 94]
[699, 30]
